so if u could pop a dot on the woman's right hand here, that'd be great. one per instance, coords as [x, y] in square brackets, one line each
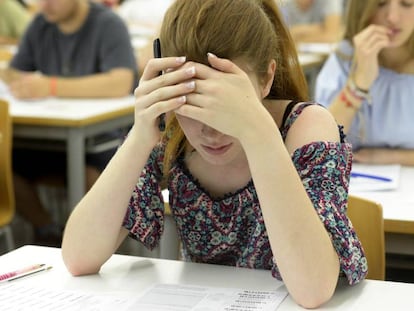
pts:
[157, 94]
[368, 44]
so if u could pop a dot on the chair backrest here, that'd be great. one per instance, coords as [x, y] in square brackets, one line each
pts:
[367, 219]
[7, 207]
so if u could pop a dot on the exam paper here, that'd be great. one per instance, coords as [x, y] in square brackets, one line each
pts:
[16, 296]
[175, 297]
[361, 184]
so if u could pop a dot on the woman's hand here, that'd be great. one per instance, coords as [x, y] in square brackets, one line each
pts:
[368, 44]
[157, 94]
[224, 98]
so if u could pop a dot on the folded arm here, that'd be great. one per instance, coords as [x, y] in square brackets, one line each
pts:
[114, 83]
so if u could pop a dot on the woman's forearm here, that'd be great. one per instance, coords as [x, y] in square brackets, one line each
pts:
[94, 229]
[296, 234]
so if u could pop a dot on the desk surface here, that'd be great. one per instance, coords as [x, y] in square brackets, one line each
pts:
[72, 121]
[398, 205]
[132, 275]
[68, 112]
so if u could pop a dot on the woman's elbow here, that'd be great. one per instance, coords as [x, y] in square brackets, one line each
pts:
[79, 269]
[77, 266]
[315, 300]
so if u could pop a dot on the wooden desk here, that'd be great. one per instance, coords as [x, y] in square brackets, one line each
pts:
[129, 276]
[398, 210]
[72, 121]
[6, 54]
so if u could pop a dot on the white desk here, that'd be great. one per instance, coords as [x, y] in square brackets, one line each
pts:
[311, 64]
[131, 275]
[72, 121]
[398, 211]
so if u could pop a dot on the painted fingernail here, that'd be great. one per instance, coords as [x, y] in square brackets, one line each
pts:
[182, 99]
[190, 71]
[211, 55]
[180, 59]
[190, 85]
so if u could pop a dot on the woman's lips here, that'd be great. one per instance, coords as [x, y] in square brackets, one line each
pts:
[394, 32]
[216, 150]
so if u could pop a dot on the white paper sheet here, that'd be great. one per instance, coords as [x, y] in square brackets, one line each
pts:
[16, 296]
[363, 184]
[173, 297]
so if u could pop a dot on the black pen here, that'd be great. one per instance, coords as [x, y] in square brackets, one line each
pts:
[157, 54]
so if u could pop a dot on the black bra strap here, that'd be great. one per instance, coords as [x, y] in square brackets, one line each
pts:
[288, 110]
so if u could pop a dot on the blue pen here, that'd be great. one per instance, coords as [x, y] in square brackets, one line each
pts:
[375, 177]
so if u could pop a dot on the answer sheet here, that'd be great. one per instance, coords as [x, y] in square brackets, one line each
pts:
[16, 296]
[175, 297]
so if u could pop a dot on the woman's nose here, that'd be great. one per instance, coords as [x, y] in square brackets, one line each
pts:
[393, 13]
[208, 131]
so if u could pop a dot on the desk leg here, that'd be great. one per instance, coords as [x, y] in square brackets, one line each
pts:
[76, 166]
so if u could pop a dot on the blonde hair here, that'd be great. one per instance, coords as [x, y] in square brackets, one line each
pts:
[250, 30]
[359, 15]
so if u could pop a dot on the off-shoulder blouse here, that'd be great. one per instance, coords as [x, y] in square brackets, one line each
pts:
[231, 230]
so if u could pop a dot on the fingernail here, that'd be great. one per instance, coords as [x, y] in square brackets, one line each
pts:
[182, 99]
[190, 71]
[190, 85]
[211, 55]
[180, 59]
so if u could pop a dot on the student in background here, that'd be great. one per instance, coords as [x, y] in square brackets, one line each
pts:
[368, 83]
[146, 16]
[143, 12]
[249, 171]
[14, 19]
[314, 20]
[72, 48]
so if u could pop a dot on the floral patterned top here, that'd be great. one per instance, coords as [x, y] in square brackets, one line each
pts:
[231, 230]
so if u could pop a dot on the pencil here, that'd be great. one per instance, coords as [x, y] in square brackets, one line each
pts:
[14, 275]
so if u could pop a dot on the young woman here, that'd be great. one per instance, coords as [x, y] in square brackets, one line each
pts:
[257, 178]
[368, 83]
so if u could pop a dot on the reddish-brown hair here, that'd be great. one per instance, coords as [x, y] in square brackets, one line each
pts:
[249, 30]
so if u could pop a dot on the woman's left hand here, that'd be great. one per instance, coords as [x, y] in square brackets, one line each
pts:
[225, 98]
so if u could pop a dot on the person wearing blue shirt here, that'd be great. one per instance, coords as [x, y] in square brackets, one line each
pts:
[368, 83]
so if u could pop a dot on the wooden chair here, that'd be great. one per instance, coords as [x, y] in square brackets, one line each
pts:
[7, 207]
[366, 217]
